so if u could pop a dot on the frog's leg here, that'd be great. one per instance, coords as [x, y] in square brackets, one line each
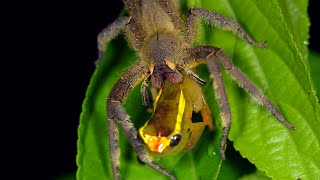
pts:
[195, 130]
[193, 90]
[206, 115]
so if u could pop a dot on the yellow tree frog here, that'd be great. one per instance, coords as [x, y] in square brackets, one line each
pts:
[170, 129]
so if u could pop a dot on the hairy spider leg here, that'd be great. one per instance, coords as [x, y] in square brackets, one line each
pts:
[144, 94]
[171, 8]
[134, 30]
[244, 82]
[109, 33]
[222, 22]
[222, 98]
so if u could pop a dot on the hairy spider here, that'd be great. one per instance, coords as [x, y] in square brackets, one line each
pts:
[164, 43]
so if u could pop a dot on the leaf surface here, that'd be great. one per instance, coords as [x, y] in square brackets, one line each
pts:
[280, 71]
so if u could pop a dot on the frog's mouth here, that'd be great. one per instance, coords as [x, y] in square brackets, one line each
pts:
[157, 144]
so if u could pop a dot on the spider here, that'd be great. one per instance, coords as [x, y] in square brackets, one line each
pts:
[164, 42]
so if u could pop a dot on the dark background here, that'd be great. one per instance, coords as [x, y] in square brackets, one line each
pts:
[61, 37]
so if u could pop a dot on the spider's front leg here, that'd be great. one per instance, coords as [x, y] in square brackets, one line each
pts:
[117, 113]
[110, 32]
[207, 53]
[219, 21]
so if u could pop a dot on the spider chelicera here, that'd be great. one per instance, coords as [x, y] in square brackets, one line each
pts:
[164, 43]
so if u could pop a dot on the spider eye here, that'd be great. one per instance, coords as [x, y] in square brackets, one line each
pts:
[175, 140]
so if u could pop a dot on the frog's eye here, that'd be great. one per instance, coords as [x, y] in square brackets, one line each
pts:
[175, 140]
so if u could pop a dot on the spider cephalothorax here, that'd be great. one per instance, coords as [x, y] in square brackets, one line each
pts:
[164, 43]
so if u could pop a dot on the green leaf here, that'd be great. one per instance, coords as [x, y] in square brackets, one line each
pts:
[297, 21]
[279, 71]
[255, 176]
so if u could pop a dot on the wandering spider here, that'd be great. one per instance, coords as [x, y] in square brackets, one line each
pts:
[164, 43]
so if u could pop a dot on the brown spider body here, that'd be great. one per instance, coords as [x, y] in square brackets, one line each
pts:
[164, 43]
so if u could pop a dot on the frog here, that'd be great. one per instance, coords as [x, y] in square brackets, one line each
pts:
[170, 130]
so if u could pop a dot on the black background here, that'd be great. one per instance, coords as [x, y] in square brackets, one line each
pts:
[56, 46]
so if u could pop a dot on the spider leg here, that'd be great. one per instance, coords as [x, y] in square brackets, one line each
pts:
[222, 98]
[200, 54]
[114, 147]
[110, 32]
[251, 88]
[172, 10]
[145, 97]
[222, 22]
[134, 30]
[194, 76]
[130, 25]
[190, 28]
[117, 113]
[134, 8]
